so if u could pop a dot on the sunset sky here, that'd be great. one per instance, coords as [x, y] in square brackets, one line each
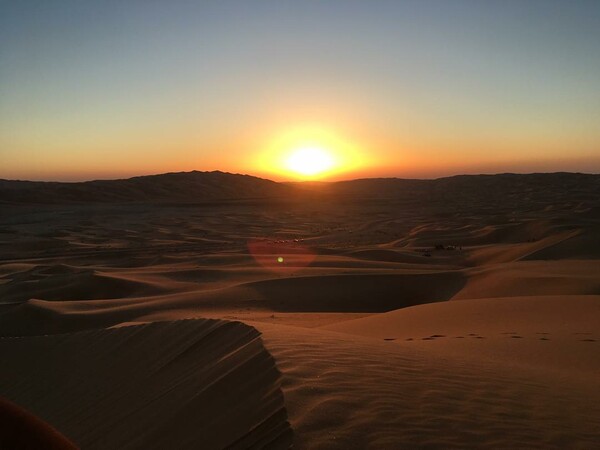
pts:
[109, 89]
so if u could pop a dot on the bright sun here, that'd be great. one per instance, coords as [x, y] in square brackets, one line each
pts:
[308, 152]
[310, 161]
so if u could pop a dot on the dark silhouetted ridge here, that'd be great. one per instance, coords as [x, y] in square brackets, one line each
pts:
[170, 187]
[198, 187]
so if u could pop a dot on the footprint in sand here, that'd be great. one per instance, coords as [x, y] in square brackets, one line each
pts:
[433, 336]
[459, 337]
[409, 339]
[389, 339]
[588, 340]
[475, 336]
[516, 336]
[544, 339]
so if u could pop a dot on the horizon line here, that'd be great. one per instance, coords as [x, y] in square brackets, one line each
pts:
[301, 181]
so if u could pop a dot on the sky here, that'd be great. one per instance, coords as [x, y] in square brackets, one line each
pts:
[425, 88]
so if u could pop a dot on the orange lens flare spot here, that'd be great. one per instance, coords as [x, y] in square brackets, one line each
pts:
[283, 256]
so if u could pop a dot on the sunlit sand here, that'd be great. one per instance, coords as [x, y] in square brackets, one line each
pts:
[374, 313]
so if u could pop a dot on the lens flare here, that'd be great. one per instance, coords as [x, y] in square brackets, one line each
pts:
[281, 256]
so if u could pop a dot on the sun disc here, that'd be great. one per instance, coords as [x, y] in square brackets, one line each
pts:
[310, 161]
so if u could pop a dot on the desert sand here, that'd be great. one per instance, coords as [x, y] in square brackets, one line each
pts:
[221, 311]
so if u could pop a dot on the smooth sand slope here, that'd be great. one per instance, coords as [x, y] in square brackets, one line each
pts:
[556, 333]
[346, 391]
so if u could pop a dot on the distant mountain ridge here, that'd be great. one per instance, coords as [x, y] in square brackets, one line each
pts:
[192, 187]
[471, 185]
[198, 187]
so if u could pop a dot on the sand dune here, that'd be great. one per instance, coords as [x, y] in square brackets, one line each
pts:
[554, 332]
[188, 187]
[186, 384]
[451, 313]
[71, 283]
[343, 293]
[351, 392]
[528, 278]
[349, 292]
[392, 256]
[209, 186]
[578, 246]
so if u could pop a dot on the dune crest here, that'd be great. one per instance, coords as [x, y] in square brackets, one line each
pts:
[182, 384]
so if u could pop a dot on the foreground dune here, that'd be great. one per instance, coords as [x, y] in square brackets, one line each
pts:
[353, 392]
[517, 372]
[184, 384]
